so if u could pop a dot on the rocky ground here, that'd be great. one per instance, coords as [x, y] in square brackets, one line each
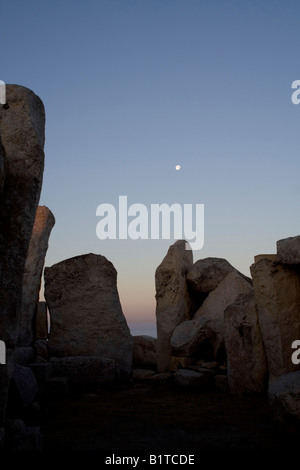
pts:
[149, 418]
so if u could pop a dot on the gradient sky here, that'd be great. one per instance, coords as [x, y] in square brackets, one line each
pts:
[132, 88]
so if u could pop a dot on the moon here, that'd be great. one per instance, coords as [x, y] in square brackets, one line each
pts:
[177, 167]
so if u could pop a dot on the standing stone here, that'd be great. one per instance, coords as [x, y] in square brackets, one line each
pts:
[172, 298]
[22, 134]
[44, 222]
[277, 295]
[22, 124]
[227, 292]
[246, 360]
[288, 250]
[85, 311]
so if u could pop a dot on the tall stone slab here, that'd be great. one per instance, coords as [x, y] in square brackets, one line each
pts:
[22, 132]
[227, 292]
[277, 295]
[246, 360]
[173, 304]
[85, 311]
[44, 222]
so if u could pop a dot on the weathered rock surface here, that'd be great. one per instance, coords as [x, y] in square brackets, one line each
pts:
[41, 322]
[246, 360]
[189, 378]
[38, 246]
[207, 273]
[270, 257]
[144, 351]
[83, 370]
[227, 292]
[288, 250]
[22, 133]
[22, 124]
[284, 398]
[187, 336]
[173, 304]
[85, 310]
[277, 295]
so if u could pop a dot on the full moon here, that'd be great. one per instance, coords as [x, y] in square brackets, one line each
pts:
[177, 167]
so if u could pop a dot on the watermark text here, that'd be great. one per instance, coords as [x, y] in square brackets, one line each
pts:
[2, 353]
[296, 94]
[160, 222]
[296, 354]
[2, 92]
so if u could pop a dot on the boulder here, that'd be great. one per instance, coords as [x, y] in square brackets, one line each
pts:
[41, 322]
[144, 351]
[85, 311]
[246, 360]
[187, 336]
[207, 273]
[227, 292]
[277, 296]
[284, 399]
[22, 133]
[173, 303]
[44, 222]
[190, 378]
[288, 250]
[84, 370]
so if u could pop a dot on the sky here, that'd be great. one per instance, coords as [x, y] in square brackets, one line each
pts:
[133, 88]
